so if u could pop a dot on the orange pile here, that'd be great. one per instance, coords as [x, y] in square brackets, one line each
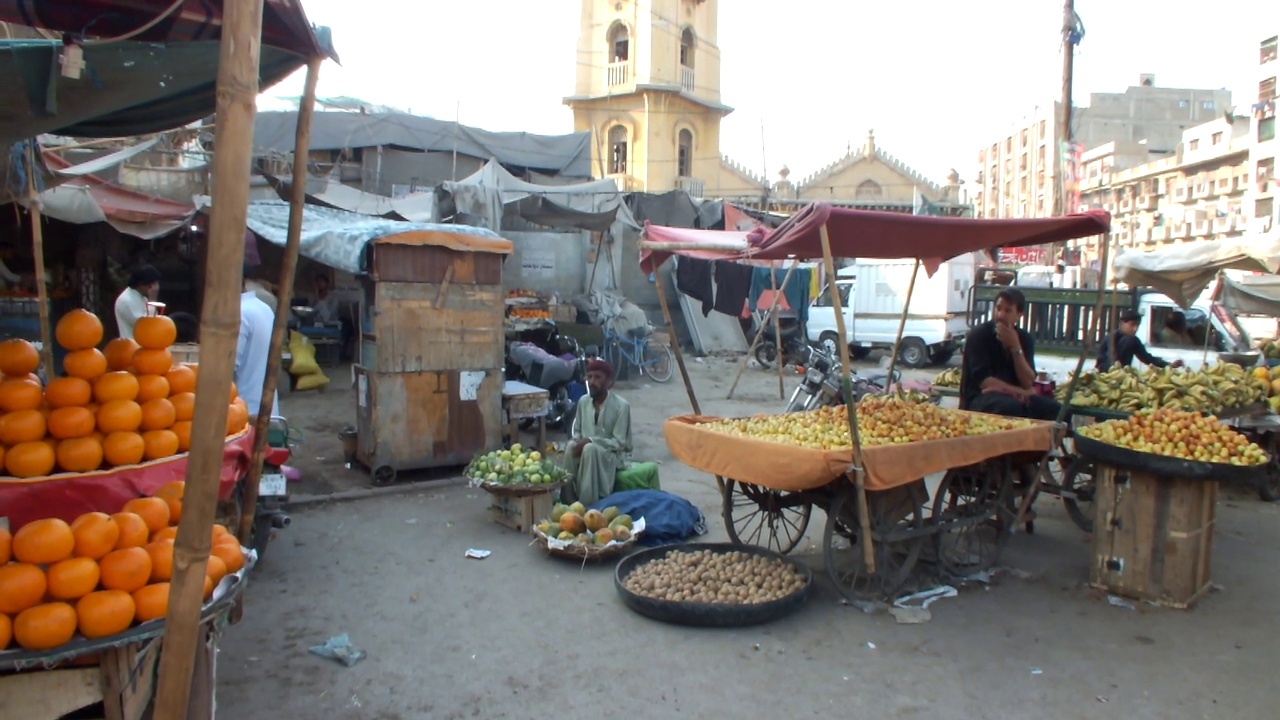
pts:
[122, 405]
[100, 574]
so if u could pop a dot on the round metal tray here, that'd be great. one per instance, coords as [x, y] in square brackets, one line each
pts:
[1161, 465]
[700, 614]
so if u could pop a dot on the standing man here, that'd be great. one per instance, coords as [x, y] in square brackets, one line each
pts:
[999, 365]
[253, 350]
[1129, 345]
[601, 438]
[144, 287]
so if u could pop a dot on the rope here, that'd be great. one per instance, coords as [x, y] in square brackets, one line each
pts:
[132, 33]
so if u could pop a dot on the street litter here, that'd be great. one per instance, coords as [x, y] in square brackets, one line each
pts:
[339, 648]
[1036, 671]
[1119, 602]
[478, 554]
[906, 612]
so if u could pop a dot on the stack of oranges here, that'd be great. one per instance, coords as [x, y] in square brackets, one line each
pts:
[122, 405]
[100, 574]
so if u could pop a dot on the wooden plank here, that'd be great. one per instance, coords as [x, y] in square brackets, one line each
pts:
[427, 327]
[429, 264]
[49, 694]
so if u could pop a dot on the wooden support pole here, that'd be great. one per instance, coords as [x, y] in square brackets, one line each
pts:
[846, 385]
[288, 268]
[780, 356]
[219, 332]
[37, 252]
[760, 333]
[902, 323]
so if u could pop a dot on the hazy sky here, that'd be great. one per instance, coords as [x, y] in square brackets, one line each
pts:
[936, 80]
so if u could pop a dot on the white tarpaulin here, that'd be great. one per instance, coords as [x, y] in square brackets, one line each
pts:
[1252, 295]
[417, 207]
[1184, 271]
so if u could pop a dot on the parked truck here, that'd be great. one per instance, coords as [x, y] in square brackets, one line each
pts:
[873, 293]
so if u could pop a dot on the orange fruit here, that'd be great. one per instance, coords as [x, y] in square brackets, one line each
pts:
[87, 364]
[151, 602]
[208, 587]
[72, 578]
[119, 416]
[43, 542]
[6, 631]
[152, 387]
[235, 392]
[184, 405]
[182, 429]
[44, 627]
[133, 530]
[6, 546]
[30, 459]
[119, 353]
[23, 426]
[79, 455]
[71, 422]
[96, 535]
[68, 392]
[152, 362]
[123, 448]
[78, 330]
[20, 394]
[21, 586]
[18, 357]
[159, 444]
[169, 533]
[230, 554]
[105, 612]
[117, 385]
[174, 489]
[127, 569]
[155, 333]
[154, 511]
[161, 552]
[237, 416]
[215, 569]
[182, 379]
[158, 414]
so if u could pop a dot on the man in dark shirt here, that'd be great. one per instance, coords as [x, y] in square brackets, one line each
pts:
[999, 365]
[1129, 345]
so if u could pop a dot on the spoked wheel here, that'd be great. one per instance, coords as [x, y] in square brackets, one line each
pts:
[766, 354]
[1269, 490]
[973, 518]
[768, 518]
[657, 360]
[897, 520]
[1078, 489]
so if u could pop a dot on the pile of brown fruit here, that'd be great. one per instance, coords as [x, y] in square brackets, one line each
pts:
[734, 578]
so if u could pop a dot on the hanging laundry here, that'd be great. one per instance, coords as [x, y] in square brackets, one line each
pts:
[796, 290]
[733, 284]
[693, 278]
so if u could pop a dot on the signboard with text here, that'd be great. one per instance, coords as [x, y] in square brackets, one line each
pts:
[1023, 256]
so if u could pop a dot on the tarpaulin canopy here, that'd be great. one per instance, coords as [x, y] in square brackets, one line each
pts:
[340, 239]
[86, 199]
[1252, 295]
[325, 191]
[566, 155]
[1184, 271]
[873, 234]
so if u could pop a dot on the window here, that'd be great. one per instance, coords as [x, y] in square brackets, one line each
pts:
[1262, 207]
[824, 297]
[1206, 105]
[1042, 126]
[619, 43]
[1193, 145]
[1217, 138]
[1267, 90]
[869, 190]
[1267, 129]
[1267, 51]
[617, 150]
[1183, 104]
[686, 48]
[684, 154]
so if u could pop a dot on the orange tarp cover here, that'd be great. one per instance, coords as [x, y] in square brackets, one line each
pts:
[792, 468]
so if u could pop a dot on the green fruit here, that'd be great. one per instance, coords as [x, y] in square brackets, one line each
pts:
[620, 521]
[491, 477]
[610, 513]
[585, 538]
[557, 510]
[578, 508]
[544, 527]
[516, 448]
[566, 535]
[621, 534]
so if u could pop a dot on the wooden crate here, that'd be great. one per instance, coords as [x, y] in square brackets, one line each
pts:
[1153, 536]
[564, 313]
[520, 513]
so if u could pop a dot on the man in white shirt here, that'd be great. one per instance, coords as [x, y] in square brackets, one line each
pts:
[252, 351]
[144, 287]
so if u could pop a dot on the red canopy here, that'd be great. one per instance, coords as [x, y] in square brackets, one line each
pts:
[873, 234]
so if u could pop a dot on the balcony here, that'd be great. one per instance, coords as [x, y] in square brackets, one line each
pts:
[1222, 225]
[1222, 185]
[693, 186]
[1201, 190]
[625, 182]
[1160, 232]
[1201, 228]
[1145, 202]
[686, 79]
[1126, 205]
[1180, 194]
[1240, 183]
[1179, 230]
[618, 74]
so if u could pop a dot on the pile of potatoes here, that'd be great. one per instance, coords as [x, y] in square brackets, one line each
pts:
[734, 578]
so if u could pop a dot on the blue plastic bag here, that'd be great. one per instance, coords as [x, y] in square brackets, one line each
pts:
[667, 518]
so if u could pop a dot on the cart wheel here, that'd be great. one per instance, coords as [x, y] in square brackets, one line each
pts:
[384, 475]
[893, 513]
[756, 516]
[1269, 490]
[1077, 482]
[972, 517]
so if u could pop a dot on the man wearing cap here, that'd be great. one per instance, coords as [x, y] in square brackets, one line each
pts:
[600, 442]
[131, 305]
[1129, 345]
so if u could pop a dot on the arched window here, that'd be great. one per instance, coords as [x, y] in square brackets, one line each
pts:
[686, 48]
[619, 43]
[869, 190]
[617, 150]
[684, 153]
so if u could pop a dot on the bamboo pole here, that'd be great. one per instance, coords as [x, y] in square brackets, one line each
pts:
[846, 385]
[37, 251]
[288, 268]
[780, 358]
[238, 62]
[902, 323]
[773, 308]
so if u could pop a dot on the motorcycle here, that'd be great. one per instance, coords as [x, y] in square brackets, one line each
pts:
[563, 377]
[821, 384]
[794, 346]
[273, 486]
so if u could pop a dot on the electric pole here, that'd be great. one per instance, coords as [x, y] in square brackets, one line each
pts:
[1070, 37]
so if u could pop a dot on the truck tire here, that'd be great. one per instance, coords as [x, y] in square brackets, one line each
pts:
[913, 353]
[857, 352]
[829, 343]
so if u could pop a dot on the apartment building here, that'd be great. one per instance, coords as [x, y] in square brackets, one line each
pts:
[1264, 215]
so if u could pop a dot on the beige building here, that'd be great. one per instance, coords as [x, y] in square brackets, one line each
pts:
[1264, 210]
[648, 89]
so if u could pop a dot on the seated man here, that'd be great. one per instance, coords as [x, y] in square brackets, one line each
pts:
[1175, 331]
[600, 443]
[999, 365]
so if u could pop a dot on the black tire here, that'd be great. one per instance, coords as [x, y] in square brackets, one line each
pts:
[261, 535]
[657, 360]
[766, 354]
[384, 475]
[842, 552]
[829, 343]
[857, 352]
[942, 358]
[913, 353]
[1078, 480]
[1269, 489]
[972, 517]
[776, 517]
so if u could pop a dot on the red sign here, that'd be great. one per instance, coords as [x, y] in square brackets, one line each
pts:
[1023, 256]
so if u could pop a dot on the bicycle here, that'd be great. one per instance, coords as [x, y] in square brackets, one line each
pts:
[639, 348]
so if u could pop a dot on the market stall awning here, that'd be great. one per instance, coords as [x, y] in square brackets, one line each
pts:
[871, 234]
[1184, 271]
[1252, 295]
[417, 207]
[89, 199]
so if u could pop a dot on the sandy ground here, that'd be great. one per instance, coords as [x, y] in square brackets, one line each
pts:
[524, 635]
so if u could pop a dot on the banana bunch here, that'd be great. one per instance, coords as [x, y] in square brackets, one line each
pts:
[949, 378]
[1212, 390]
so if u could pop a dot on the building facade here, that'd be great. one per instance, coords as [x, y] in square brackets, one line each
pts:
[1265, 215]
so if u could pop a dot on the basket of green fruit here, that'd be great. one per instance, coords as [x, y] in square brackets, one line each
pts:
[574, 532]
[515, 472]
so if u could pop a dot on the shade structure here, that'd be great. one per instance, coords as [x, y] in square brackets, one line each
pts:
[1183, 272]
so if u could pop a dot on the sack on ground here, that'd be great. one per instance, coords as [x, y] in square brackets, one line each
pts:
[667, 518]
[304, 356]
[311, 382]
